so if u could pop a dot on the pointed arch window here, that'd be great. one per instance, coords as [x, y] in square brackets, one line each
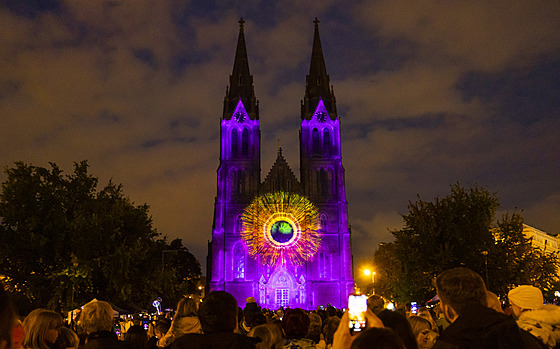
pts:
[238, 262]
[240, 182]
[316, 142]
[234, 143]
[245, 142]
[323, 219]
[324, 264]
[326, 142]
[238, 225]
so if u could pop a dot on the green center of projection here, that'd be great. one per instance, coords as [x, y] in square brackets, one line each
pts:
[281, 231]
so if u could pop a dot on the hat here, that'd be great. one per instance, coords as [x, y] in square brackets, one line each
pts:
[526, 297]
[251, 300]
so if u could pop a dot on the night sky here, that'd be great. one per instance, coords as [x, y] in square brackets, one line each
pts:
[429, 94]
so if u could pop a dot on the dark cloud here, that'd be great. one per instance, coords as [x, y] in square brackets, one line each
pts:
[428, 94]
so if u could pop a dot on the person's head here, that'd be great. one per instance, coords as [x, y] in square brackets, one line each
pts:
[218, 312]
[68, 338]
[423, 331]
[97, 316]
[525, 298]
[161, 328]
[458, 288]
[270, 335]
[315, 324]
[137, 337]
[295, 323]
[493, 302]
[7, 318]
[375, 303]
[397, 321]
[186, 307]
[379, 338]
[41, 327]
[329, 328]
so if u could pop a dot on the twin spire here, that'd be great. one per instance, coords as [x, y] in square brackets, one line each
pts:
[241, 81]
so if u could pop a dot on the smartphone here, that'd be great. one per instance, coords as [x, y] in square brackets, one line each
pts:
[413, 308]
[357, 307]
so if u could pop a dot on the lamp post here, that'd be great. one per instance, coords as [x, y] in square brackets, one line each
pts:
[485, 254]
[369, 272]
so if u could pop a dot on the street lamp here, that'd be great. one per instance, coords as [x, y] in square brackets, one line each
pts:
[368, 272]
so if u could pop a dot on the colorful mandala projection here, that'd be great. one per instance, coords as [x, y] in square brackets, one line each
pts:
[281, 227]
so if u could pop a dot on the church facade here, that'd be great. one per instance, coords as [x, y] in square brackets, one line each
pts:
[284, 241]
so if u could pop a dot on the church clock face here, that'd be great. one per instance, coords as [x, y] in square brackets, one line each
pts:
[321, 116]
[239, 116]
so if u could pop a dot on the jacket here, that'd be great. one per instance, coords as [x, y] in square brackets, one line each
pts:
[180, 327]
[479, 327]
[216, 340]
[543, 323]
[104, 340]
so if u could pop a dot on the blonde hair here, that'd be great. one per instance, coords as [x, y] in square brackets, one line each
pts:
[36, 324]
[418, 324]
[186, 307]
[270, 335]
[97, 316]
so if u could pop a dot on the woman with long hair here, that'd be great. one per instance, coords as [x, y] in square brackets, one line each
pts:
[185, 321]
[42, 327]
[270, 335]
[424, 331]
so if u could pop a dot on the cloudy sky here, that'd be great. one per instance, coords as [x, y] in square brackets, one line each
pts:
[429, 93]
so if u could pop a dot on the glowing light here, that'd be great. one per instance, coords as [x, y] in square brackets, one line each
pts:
[391, 306]
[281, 227]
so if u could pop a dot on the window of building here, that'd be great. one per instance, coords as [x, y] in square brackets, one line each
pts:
[245, 142]
[316, 142]
[238, 262]
[326, 142]
[234, 143]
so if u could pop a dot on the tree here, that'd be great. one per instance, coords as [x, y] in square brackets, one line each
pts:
[64, 243]
[458, 230]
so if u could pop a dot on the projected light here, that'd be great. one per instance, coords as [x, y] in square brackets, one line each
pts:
[281, 227]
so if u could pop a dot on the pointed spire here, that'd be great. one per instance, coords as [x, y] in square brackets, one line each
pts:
[317, 86]
[241, 80]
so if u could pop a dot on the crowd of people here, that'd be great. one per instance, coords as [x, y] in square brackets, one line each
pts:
[467, 316]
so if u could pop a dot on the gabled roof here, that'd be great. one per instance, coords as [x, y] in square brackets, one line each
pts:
[281, 178]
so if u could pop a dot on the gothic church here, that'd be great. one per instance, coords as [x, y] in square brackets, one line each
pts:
[283, 241]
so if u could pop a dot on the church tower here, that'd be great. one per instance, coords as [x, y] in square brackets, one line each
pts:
[322, 175]
[239, 170]
[285, 242]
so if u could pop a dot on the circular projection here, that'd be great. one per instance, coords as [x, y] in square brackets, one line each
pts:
[281, 227]
[281, 231]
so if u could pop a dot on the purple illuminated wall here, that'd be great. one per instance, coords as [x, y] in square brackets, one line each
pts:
[242, 241]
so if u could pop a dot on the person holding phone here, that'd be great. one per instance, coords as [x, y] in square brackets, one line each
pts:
[344, 337]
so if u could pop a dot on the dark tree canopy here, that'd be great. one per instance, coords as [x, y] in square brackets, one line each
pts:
[63, 242]
[460, 230]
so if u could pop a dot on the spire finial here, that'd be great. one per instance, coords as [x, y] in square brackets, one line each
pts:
[241, 22]
[316, 21]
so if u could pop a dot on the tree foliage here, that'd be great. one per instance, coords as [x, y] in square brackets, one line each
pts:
[460, 230]
[63, 242]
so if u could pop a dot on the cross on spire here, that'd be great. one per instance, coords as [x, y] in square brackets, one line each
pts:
[241, 22]
[316, 21]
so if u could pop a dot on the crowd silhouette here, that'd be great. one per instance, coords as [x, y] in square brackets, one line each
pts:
[467, 316]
